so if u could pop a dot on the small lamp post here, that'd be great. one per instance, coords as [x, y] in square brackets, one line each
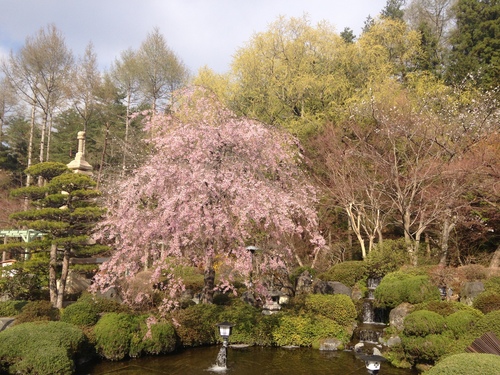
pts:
[225, 329]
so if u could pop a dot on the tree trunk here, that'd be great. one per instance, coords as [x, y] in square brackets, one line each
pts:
[53, 275]
[64, 278]
[445, 236]
[495, 263]
[208, 289]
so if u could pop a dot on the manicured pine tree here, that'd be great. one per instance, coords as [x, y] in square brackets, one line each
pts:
[65, 210]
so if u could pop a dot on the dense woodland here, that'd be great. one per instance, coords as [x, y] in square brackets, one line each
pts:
[395, 131]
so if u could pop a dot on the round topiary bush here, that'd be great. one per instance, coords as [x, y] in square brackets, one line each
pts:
[81, 314]
[338, 307]
[467, 364]
[113, 334]
[36, 311]
[460, 323]
[445, 308]
[42, 348]
[428, 349]
[398, 287]
[487, 302]
[386, 257]
[423, 323]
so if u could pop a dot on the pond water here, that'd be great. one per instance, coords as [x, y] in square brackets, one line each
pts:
[244, 361]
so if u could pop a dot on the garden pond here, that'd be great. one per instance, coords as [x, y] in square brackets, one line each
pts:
[244, 361]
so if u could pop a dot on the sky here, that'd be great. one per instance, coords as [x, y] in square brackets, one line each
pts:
[200, 32]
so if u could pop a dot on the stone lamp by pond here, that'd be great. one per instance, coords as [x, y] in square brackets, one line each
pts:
[225, 329]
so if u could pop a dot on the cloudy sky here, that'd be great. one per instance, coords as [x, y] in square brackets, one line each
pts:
[200, 32]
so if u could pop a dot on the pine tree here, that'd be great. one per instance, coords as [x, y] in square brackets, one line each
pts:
[65, 210]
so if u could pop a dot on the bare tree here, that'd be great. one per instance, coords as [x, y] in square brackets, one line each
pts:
[161, 72]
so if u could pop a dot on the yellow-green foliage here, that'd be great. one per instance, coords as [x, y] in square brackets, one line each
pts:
[445, 308]
[386, 257]
[467, 364]
[81, 314]
[306, 330]
[338, 307]
[488, 323]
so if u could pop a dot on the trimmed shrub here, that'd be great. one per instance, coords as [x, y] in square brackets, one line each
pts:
[196, 325]
[467, 364]
[488, 323]
[423, 323]
[113, 334]
[347, 273]
[492, 284]
[487, 302]
[42, 348]
[428, 349]
[338, 307]
[81, 314]
[398, 287]
[306, 330]
[11, 308]
[104, 305]
[460, 323]
[154, 337]
[36, 311]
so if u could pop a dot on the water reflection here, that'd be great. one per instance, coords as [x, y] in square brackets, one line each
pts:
[244, 361]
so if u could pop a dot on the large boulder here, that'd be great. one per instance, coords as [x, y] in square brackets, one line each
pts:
[470, 291]
[331, 287]
[398, 314]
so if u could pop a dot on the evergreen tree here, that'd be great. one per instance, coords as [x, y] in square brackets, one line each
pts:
[394, 9]
[476, 43]
[65, 210]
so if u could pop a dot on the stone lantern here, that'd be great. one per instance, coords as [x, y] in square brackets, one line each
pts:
[79, 164]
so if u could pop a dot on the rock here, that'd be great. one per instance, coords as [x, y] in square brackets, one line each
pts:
[304, 284]
[470, 291]
[390, 341]
[331, 287]
[332, 344]
[398, 315]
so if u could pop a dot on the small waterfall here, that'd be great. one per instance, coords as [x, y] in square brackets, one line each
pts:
[221, 358]
[369, 335]
[369, 311]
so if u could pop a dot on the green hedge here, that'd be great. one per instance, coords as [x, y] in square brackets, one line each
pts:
[445, 308]
[398, 287]
[467, 364]
[42, 348]
[337, 307]
[488, 323]
[423, 323]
